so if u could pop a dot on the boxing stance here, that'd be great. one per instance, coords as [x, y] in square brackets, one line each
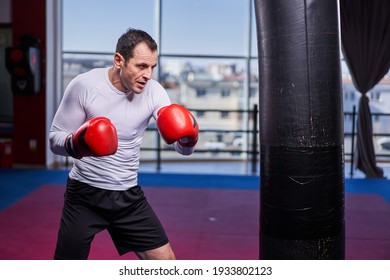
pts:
[100, 122]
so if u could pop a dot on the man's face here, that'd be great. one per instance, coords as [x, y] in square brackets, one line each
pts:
[138, 70]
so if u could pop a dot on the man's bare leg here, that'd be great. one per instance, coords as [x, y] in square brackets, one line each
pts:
[164, 252]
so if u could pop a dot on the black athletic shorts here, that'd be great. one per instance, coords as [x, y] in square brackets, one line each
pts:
[127, 215]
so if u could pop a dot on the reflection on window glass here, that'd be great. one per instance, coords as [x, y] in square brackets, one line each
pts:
[200, 27]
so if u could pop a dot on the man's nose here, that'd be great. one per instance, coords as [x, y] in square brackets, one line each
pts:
[148, 73]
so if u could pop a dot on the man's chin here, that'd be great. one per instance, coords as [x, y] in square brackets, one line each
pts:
[138, 90]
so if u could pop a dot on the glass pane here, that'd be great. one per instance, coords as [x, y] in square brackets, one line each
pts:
[202, 86]
[202, 83]
[96, 25]
[74, 64]
[254, 52]
[204, 27]
[254, 83]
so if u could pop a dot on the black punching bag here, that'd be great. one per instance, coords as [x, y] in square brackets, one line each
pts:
[301, 130]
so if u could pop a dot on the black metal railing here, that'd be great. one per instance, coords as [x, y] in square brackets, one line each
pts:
[252, 150]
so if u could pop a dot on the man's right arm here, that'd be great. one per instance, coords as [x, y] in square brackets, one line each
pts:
[69, 117]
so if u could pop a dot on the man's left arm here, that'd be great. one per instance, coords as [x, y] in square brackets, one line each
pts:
[179, 127]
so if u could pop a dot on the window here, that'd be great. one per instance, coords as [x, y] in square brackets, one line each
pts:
[200, 114]
[200, 92]
[225, 92]
[375, 96]
[207, 60]
[205, 27]
[95, 25]
[225, 115]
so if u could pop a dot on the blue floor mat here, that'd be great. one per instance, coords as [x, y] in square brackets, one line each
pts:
[17, 183]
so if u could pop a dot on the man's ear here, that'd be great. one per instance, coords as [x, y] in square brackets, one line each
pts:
[118, 60]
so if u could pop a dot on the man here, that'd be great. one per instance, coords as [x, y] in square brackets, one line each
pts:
[100, 123]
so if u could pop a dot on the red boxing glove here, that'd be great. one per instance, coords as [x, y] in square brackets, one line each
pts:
[96, 137]
[176, 123]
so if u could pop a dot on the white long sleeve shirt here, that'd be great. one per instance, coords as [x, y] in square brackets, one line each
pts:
[91, 95]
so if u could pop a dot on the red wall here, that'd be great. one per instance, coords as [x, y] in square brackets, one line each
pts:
[29, 17]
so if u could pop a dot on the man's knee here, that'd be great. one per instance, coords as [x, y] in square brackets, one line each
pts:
[164, 252]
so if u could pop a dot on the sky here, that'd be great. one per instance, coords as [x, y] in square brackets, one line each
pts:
[190, 27]
[207, 27]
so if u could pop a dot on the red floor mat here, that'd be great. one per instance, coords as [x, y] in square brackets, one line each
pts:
[203, 224]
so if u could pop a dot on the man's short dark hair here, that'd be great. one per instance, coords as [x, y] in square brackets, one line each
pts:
[129, 40]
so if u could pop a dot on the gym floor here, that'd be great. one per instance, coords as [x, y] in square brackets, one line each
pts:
[207, 216]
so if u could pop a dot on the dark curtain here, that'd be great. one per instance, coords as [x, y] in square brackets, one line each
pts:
[365, 37]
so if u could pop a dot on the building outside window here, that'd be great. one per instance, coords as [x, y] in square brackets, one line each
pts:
[208, 65]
